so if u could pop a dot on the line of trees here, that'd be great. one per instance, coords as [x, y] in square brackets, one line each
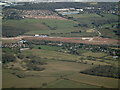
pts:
[54, 5]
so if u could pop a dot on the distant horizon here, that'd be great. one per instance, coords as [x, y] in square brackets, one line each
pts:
[61, 0]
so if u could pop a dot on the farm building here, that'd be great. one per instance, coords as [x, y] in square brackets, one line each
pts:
[59, 10]
[87, 38]
[79, 10]
[66, 13]
[115, 57]
[43, 36]
[36, 35]
[89, 7]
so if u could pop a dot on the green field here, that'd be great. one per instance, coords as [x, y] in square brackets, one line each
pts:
[52, 76]
[52, 27]
[80, 16]
[11, 81]
[40, 26]
[54, 70]
[94, 80]
[9, 41]
[110, 33]
[96, 54]
[45, 47]
[54, 55]
[91, 20]
[66, 28]
[50, 54]
[69, 84]
[108, 25]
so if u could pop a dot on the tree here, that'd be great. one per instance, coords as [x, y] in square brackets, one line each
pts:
[39, 47]
[8, 57]
[44, 84]
[20, 56]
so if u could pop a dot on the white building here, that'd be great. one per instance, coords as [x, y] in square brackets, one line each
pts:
[79, 10]
[43, 36]
[64, 9]
[72, 9]
[36, 35]
[89, 8]
[2, 4]
[87, 38]
[60, 44]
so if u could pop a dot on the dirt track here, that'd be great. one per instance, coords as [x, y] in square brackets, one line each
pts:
[86, 40]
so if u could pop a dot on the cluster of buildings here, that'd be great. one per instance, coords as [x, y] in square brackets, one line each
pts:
[30, 13]
[86, 10]
[66, 11]
[15, 45]
[8, 3]
[8, 12]
[52, 14]
[5, 3]
[99, 10]
[37, 13]
[90, 8]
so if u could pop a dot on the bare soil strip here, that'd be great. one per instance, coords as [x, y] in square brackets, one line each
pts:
[86, 40]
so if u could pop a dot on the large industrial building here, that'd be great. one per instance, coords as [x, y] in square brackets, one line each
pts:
[66, 11]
